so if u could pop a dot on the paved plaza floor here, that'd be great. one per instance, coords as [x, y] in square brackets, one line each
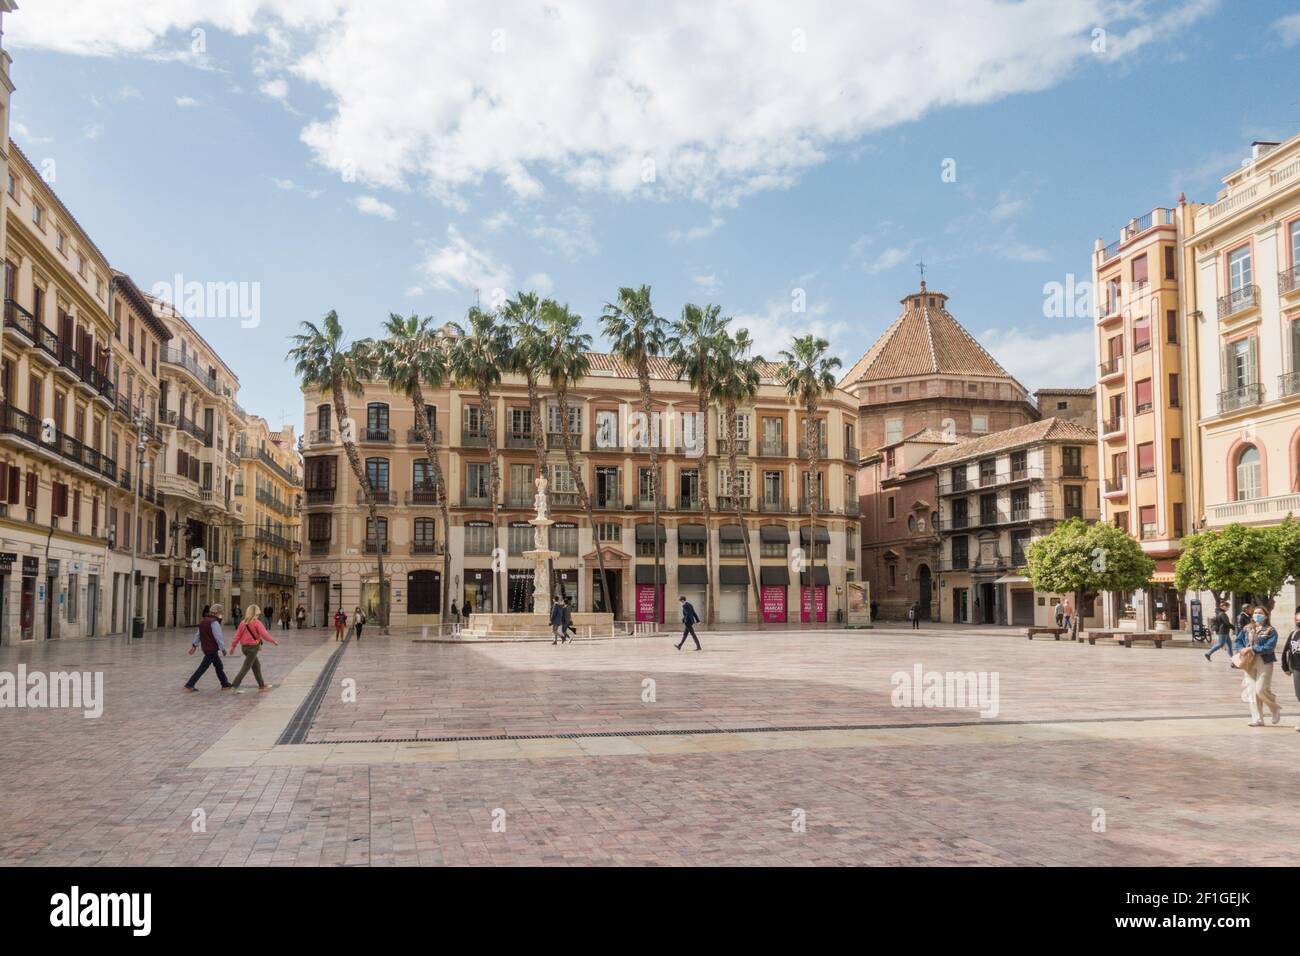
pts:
[778, 748]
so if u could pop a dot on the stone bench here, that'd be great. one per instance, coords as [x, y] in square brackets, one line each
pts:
[1127, 638]
[1056, 632]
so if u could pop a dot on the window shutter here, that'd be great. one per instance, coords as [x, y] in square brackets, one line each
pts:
[1225, 363]
[31, 489]
[1251, 372]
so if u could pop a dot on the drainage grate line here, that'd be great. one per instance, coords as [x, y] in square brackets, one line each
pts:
[803, 729]
[295, 732]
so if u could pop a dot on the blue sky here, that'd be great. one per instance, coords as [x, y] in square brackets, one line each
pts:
[395, 156]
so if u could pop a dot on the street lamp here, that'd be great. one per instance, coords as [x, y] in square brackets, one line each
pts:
[135, 518]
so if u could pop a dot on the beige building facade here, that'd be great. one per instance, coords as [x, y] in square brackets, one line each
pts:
[268, 503]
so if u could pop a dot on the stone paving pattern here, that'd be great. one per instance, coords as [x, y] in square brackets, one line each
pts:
[121, 790]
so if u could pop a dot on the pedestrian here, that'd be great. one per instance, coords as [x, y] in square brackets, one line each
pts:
[357, 621]
[1060, 614]
[455, 612]
[568, 622]
[1067, 612]
[1263, 642]
[1222, 630]
[914, 615]
[468, 609]
[875, 609]
[1291, 657]
[284, 619]
[557, 621]
[248, 638]
[301, 615]
[210, 638]
[268, 611]
[1243, 617]
[340, 622]
[689, 619]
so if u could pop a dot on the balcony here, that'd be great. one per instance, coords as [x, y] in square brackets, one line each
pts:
[607, 502]
[1112, 427]
[851, 453]
[647, 503]
[1113, 487]
[470, 438]
[1253, 510]
[471, 500]
[321, 436]
[426, 547]
[413, 436]
[732, 502]
[555, 440]
[372, 546]
[378, 436]
[1244, 396]
[1110, 368]
[959, 562]
[692, 503]
[1289, 384]
[564, 499]
[318, 549]
[771, 448]
[320, 496]
[806, 505]
[428, 497]
[519, 439]
[187, 361]
[742, 447]
[852, 509]
[954, 523]
[1109, 309]
[771, 505]
[382, 496]
[804, 449]
[1288, 281]
[168, 417]
[1238, 300]
[520, 498]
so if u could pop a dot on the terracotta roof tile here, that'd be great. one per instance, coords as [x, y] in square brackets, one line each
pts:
[1049, 429]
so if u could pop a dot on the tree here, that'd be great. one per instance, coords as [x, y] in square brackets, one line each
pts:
[736, 382]
[478, 357]
[637, 335]
[692, 348]
[411, 356]
[1077, 557]
[321, 361]
[566, 362]
[1240, 560]
[808, 374]
[527, 357]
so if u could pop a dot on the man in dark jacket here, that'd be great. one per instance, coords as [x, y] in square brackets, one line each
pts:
[557, 620]
[568, 619]
[1222, 630]
[689, 617]
[211, 640]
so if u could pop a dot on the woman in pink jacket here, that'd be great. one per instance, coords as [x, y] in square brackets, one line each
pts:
[248, 638]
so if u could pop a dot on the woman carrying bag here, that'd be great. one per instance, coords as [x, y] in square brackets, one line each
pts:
[248, 638]
[1291, 658]
[1261, 648]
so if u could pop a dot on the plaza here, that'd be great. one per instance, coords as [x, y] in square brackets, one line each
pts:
[778, 748]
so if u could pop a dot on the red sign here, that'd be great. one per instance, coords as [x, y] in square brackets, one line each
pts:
[645, 602]
[805, 616]
[773, 599]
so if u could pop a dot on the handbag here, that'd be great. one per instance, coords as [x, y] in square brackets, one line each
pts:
[1244, 658]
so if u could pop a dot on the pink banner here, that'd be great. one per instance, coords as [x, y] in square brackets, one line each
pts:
[645, 602]
[773, 598]
[807, 603]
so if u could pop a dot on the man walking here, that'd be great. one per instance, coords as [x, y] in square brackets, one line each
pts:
[1222, 631]
[210, 639]
[689, 617]
[568, 620]
[914, 615]
[557, 621]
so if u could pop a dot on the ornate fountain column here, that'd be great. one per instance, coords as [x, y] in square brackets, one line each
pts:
[541, 552]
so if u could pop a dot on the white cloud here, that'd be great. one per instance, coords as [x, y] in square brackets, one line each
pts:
[1288, 29]
[21, 131]
[414, 291]
[540, 282]
[697, 232]
[461, 265]
[277, 88]
[1040, 358]
[568, 233]
[891, 258]
[186, 102]
[1007, 207]
[370, 206]
[288, 185]
[498, 220]
[92, 130]
[709, 284]
[776, 324]
[422, 93]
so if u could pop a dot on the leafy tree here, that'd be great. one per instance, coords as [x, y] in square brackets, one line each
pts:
[1190, 573]
[1245, 560]
[1287, 538]
[1077, 557]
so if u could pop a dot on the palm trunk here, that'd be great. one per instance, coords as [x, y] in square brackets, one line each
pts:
[740, 517]
[709, 614]
[539, 448]
[562, 397]
[810, 436]
[425, 431]
[494, 481]
[359, 471]
[643, 374]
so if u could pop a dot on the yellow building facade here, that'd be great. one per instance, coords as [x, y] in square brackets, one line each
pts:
[268, 503]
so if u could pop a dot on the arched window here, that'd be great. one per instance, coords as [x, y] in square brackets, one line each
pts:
[423, 540]
[376, 535]
[377, 421]
[377, 473]
[1248, 473]
[323, 420]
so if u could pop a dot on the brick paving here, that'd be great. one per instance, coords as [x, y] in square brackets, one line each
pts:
[121, 789]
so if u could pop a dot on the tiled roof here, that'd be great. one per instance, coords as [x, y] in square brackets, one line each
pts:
[660, 367]
[1049, 429]
[924, 340]
[1067, 391]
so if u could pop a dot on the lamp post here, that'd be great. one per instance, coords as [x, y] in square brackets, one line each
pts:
[135, 518]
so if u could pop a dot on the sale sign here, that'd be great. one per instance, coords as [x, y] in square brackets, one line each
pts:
[645, 602]
[773, 600]
[806, 615]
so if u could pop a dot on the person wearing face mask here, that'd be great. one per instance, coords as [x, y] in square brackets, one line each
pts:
[1291, 658]
[1263, 641]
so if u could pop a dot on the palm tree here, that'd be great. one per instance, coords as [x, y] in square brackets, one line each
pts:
[637, 335]
[565, 361]
[478, 358]
[808, 375]
[692, 347]
[736, 382]
[321, 361]
[412, 356]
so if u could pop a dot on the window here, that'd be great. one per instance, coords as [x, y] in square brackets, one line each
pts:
[1174, 401]
[1141, 335]
[519, 537]
[893, 576]
[318, 527]
[1073, 495]
[1178, 519]
[1169, 262]
[377, 421]
[1146, 455]
[889, 507]
[1248, 473]
[738, 487]
[38, 216]
[472, 416]
[609, 531]
[1239, 269]
[1175, 455]
[1112, 296]
[13, 186]
[377, 473]
[742, 426]
[690, 541]
[553, 419]
[1295, 244]
[893, 430]
[478, 477]
[422, 475]
[377, 532]
[323, 418]
[1147, 521]
[478, 537]
[562, 482]
[1139, 272]
[60, 241]
[1072, 461]
[1121, 521]
[1241, 363]
[606, 429]
[520, 421]
[1171, 326]
[564, 538]
[1142, 390]
[979, 424]
[645, 484]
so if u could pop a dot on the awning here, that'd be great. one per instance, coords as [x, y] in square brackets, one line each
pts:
[774, 533]
[776, 575]
[733, 575]
[645, 532]
[645, 574]
[823, 536]
[1012, 579]
[688, 532]
[823, 576]
[1162, 577]
[731, 533]
[692, 574]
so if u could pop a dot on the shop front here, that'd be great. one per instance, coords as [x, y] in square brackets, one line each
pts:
[733, 594]
[477, 598]
[692, 581]
[813, 593]
[775, 589]
[649, 599]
